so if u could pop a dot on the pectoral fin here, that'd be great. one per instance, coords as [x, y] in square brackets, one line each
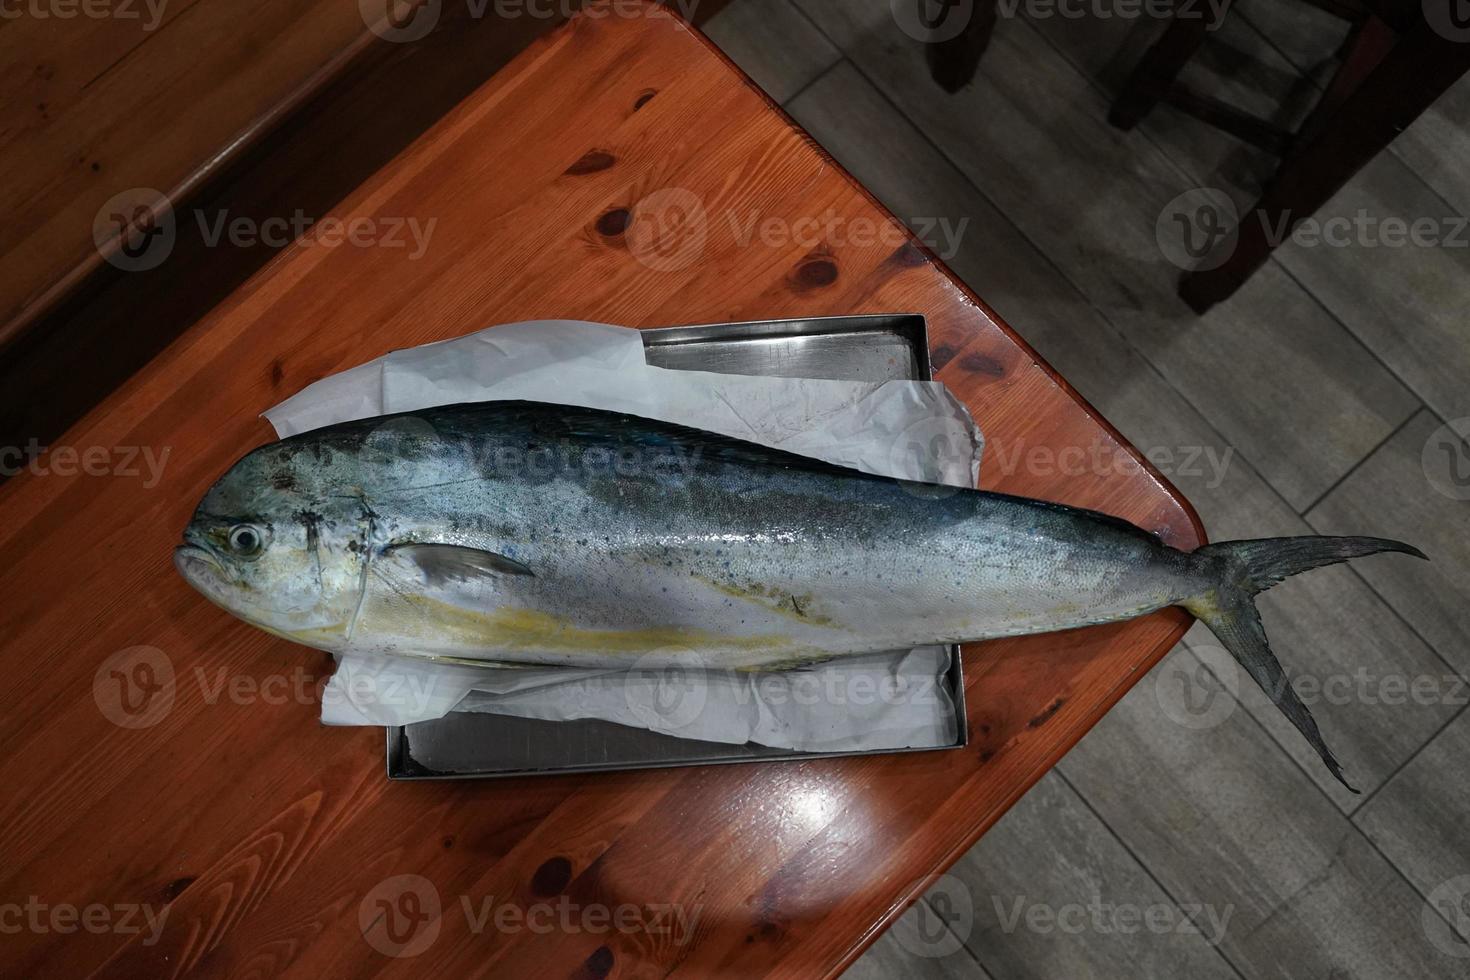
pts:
[443, 563]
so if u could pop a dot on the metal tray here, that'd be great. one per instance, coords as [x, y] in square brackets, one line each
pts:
[865, 348]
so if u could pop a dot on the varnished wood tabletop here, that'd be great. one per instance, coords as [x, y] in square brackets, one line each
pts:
[610, 173]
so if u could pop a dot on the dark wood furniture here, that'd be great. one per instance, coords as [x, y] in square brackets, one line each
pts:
[272, 846]
[1398, 59]
[292, 109]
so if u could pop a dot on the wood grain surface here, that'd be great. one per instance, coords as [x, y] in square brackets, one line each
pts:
[104, 97]
[338, 125]
[609, 173]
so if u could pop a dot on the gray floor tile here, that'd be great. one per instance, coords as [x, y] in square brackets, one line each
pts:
[1087, 197]
[1418, 819]
[1437, 145]
[1055, 895]
[1406, 302]
[1402, 301]
[773, 43]
[1415, 488]
[1306, 36]
[1220, 818]
[891, 158]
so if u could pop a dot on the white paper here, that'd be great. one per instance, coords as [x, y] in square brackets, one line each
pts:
[891, 429]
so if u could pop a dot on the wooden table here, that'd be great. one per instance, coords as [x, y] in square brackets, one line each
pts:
[571, 185]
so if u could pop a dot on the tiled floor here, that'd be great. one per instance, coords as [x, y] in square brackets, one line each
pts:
[1193, 833]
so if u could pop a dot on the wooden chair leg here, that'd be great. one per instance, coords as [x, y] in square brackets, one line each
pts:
[1366, 47]
[1160, 65]
[953, 62]
[1421, 66]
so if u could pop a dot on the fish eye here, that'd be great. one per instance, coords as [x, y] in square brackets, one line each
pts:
[246, 540]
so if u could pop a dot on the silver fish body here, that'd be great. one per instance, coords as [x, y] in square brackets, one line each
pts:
[529, 533]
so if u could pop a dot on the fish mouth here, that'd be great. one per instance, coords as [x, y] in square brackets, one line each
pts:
[195, 563]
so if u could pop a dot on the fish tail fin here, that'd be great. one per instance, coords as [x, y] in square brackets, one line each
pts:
[1240, 570]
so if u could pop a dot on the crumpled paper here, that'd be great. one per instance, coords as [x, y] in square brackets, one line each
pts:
[880, 701]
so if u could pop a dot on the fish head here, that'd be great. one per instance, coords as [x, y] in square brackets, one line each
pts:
[281, 541]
